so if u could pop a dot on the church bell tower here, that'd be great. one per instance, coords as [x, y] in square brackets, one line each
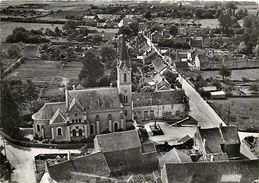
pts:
[124, 78]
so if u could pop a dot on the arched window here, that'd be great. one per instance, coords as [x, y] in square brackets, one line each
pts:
[38, 127]
[115, 126]
[125, 77]
[74, 133]
[80, 132]
[76, 120]
[59, 130]
[79, 120]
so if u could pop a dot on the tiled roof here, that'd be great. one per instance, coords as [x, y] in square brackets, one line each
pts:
[213, 172]
[97, 98]
[158, 98]
[91, 164]
[48, 110]
[181, 65]
[158, 64]
[118, 141]
[230, 134]
[174, 156]
[213, 140]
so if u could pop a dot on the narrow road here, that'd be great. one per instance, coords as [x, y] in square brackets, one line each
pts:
[22, 158]
[199, 108]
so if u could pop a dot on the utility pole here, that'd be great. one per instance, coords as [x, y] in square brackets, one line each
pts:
[228, 113]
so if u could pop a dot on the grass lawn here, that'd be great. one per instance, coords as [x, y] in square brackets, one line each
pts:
[243, 112]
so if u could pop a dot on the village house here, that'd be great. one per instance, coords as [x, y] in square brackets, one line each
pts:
[216, 141]
[114, 154]
[156, 37]
[124, 152]
[168, 105]
[87, 112]
[203, 172]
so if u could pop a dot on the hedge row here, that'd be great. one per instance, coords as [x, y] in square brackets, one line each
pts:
[36, 145]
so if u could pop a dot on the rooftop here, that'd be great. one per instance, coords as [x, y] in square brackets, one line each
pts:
[158, 98]
[120, 141]
[216, 172]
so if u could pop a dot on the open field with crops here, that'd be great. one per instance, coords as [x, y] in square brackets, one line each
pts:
[242, 112]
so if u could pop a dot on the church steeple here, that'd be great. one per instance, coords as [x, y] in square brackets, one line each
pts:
[124, 78]
[123, 51]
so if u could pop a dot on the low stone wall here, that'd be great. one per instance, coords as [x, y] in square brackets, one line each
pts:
[37, 145]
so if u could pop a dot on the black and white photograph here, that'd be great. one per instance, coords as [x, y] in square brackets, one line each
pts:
[129, 91]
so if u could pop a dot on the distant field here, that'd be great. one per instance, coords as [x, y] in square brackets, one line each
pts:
[243, 112]
[6, 28]
[41, 71]
[235, 75]
[211, 23]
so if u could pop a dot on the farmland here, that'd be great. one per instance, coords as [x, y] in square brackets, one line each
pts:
[235, 74]
[243, 112]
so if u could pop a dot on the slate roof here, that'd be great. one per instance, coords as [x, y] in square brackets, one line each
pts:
[48, 110]
[230, 134]
[158, 98]
[174, 156]
[91, 164]
[158, 64]
[213, 140]
[196, 43]
[97, 98]
[58, 117]
[213, 172]
[181, 65]
[120, 141]
[203, 58]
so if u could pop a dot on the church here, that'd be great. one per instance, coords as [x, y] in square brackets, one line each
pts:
[87, 112]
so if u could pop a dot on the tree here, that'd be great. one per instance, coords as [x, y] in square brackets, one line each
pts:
[9, 114]
[173, 30]
[70, 25]
[225, 22]
[224, 72]
[31, 92]
[147, 15]
[170, 77]
[92, 70]
[109, 54]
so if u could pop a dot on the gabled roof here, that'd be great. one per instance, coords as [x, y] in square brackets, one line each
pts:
[174, 156]
[163, 84]
[118, 141]
[181, 65]
[97, 98]
[230, 134]
[75, 103]
[213, 172]
[158, 64]
[91, 164]
[158, 98]
[213, 140]
[48, 110]
[58, 117]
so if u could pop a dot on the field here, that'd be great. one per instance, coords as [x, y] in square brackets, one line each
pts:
[6, 28]
[211, 23]
[40, 71]
[243, 112]
[235, 75]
